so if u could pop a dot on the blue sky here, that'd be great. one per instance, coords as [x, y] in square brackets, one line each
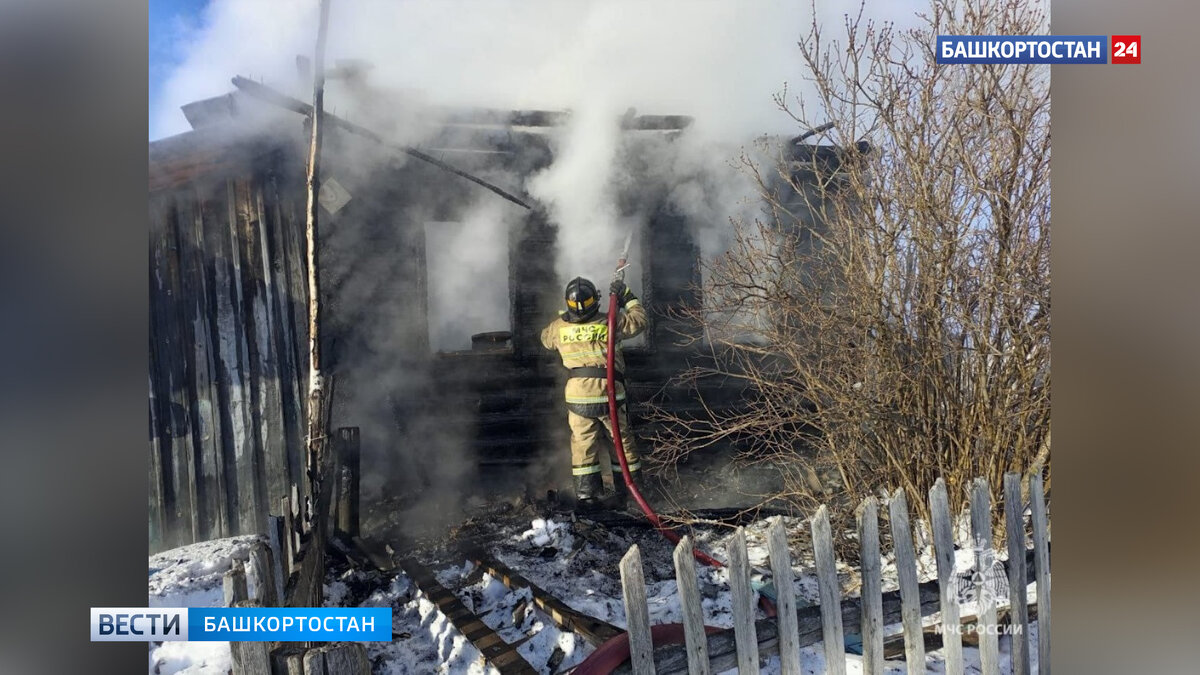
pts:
[171, 23]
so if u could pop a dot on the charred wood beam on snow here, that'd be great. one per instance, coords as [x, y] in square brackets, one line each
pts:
[498, 652]
[269, 95]
[593, 630]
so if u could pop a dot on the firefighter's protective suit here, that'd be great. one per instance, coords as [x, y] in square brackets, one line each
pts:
[582, 342]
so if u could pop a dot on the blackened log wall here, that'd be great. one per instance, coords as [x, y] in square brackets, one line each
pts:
[227, 298]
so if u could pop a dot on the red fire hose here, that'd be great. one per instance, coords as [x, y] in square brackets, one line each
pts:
[614, 652]
[620, 446]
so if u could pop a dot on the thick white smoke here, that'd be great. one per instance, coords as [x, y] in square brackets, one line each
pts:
[719, 62]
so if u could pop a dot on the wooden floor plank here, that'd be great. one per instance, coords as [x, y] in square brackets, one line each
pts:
[498, 652]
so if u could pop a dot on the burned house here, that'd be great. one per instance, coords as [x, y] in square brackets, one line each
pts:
[439, 401]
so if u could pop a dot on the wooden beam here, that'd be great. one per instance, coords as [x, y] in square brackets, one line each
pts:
[265, 93]
[499, 653]
[591, 629]
[349, 451]
[317, 426]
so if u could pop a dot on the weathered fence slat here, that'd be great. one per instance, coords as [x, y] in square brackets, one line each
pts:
[250, 658]
[981, 533]
[743, 603]
[264, 569]
[314, 663]
[723, 648]
[234, 584]
[346, 658]
[1014, 524]
[872, 584]
[785, 598]
[693, 612]
[287, 659]
[1041, 567]
[906, 571]
[943, 547]
[637, 613]
[829, 592]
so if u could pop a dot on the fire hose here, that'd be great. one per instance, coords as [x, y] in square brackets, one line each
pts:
[616, 651]
[667, 532]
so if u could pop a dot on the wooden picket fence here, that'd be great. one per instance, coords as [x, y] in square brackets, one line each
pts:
[867, 615]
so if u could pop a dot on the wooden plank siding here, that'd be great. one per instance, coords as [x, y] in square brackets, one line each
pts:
[225, 374]
[228, 329]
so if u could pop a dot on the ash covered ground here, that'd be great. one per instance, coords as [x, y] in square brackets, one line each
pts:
[573, 557]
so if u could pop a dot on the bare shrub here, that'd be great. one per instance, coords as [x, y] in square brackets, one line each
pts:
[889, 316]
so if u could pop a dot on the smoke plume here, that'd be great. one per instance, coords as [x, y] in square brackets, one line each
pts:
[719, 62]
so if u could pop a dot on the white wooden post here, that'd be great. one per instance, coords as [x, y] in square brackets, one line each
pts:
[829, 592]
[1014, 525]
[743, 604]
[981, 533]
[1041, 568]
[943, 546]
[637, 614]
[785, 599]
[906, 571]
[872, 587]
[693, 612]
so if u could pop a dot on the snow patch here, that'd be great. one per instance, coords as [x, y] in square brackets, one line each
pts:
[546, 532]
[191, 576]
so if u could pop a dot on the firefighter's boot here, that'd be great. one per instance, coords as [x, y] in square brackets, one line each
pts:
[621, 498]
[588, 489]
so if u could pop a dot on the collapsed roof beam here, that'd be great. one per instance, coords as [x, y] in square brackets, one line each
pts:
[269, 95]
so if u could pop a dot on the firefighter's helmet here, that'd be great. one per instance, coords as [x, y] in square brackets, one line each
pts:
[582, 299]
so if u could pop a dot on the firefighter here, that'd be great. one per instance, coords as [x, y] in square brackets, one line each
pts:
[580, 335]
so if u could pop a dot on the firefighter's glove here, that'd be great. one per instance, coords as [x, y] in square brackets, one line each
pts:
[619, 289]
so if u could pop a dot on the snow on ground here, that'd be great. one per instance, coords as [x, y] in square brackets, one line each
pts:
[191, 576]
[577, 561]
[425, 641]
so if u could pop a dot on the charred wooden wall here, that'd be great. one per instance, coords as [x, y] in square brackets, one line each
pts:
[228, 326]
[226, 373]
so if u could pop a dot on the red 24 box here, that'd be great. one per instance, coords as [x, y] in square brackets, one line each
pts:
[1127, 49]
